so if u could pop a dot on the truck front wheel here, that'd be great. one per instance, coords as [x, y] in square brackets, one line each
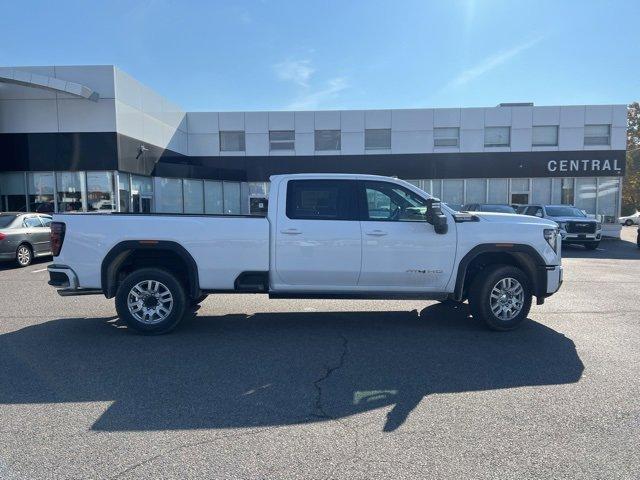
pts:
[151, 301]
[501, 296]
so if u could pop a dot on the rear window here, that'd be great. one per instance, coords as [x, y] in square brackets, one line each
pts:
[321, 200]
[32, 222]
[5, 220]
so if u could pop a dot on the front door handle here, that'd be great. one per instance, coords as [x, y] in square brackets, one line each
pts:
[291, 231]
[377, 233]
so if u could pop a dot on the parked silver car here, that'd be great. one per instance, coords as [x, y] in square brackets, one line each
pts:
[24, 236]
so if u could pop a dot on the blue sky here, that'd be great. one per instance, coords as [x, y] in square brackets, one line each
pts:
[263, 55]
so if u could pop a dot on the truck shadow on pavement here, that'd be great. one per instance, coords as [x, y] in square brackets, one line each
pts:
[272, 369]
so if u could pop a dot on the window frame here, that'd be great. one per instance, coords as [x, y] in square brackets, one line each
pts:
[32, 217]
[584, 140]
[385, 130]
[244, 140]
[557, 129]
[315, 140]
[352, 213]
[282, 142]
[363, 206]
[440, 129]
[496, 145]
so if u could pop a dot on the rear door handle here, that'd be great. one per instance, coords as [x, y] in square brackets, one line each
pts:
[291, 231]
[377, 233]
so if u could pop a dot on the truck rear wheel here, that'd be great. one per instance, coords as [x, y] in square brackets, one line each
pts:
[501, 296]
[151, 301]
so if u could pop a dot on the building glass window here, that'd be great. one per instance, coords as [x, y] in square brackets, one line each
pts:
[232, 141]
[41, 186]
[13, 192]
[231, 196]
[282, 140]
[497, 136]
[71, 191]
[541, 190]
[168, 195]
[213, 199]
[608, 194]
[498, 191]
[377, 139]
[453, 192]
[124, 192]
[597, 135]
[545, 136]
[193, 196]
[327, 140]
[446, 137]
[566, 191]
[586, 193]
[520, 191]
[476, 190]
[100, 192]
[141, 194]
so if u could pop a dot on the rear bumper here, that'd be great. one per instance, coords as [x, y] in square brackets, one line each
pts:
[66, 281]
[7, 255]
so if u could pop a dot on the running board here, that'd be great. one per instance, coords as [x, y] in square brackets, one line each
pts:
[72, 292]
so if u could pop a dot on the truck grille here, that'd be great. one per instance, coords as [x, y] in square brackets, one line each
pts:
[581, 227]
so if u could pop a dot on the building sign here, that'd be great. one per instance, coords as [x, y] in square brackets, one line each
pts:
[586, 165]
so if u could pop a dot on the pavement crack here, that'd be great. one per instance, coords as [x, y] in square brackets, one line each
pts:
[320, 411]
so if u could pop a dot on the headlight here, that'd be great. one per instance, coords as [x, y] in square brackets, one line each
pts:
[551, 236]
[598, 226]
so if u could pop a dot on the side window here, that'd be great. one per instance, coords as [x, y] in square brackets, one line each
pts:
[31, 222]
[537, 212]
[321, 200]
[46, 221]
[390, 202]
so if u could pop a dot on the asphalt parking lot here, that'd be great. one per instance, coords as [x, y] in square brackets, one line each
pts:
[257, 389]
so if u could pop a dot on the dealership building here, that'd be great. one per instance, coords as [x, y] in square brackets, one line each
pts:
[93, 138]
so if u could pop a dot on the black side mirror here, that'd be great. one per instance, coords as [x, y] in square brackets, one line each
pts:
[435, 216]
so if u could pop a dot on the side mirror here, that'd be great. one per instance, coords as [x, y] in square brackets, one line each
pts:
[435, 216]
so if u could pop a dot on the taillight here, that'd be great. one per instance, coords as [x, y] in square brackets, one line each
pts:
[58, 230]
[2, 236]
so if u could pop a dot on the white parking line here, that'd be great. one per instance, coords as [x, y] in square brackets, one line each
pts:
[36, 271]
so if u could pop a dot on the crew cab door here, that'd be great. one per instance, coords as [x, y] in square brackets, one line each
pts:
[317, 235]
[400, 249]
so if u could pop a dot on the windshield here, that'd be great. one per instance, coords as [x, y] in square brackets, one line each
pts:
[5, 220]
[454, 206]
[565, 212]
[497, 208]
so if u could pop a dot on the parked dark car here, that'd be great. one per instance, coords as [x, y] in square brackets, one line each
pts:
[24, 236]
[488, 207]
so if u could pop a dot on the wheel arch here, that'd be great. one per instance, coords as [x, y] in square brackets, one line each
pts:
[522, 256]
[130, 255]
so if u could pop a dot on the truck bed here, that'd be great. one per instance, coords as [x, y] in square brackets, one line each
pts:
[240, 243]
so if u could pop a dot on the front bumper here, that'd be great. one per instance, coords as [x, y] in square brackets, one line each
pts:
[555, 276]
[580, 237]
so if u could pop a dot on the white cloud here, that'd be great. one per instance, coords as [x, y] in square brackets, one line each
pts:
[297, 71]
[315, 99]
[490, 63]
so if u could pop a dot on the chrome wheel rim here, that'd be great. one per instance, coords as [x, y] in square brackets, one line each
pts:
[507, 299]
[24, 255]
[150, 301]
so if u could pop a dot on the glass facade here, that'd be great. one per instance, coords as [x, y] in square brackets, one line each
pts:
[117, 191]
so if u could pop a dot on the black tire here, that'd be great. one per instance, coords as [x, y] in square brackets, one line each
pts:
[591, 246]
[152, 326]
[480, 295]
[24, 255]
[628, 222]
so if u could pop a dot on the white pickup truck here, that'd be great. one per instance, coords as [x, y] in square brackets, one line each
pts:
[325, 236]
